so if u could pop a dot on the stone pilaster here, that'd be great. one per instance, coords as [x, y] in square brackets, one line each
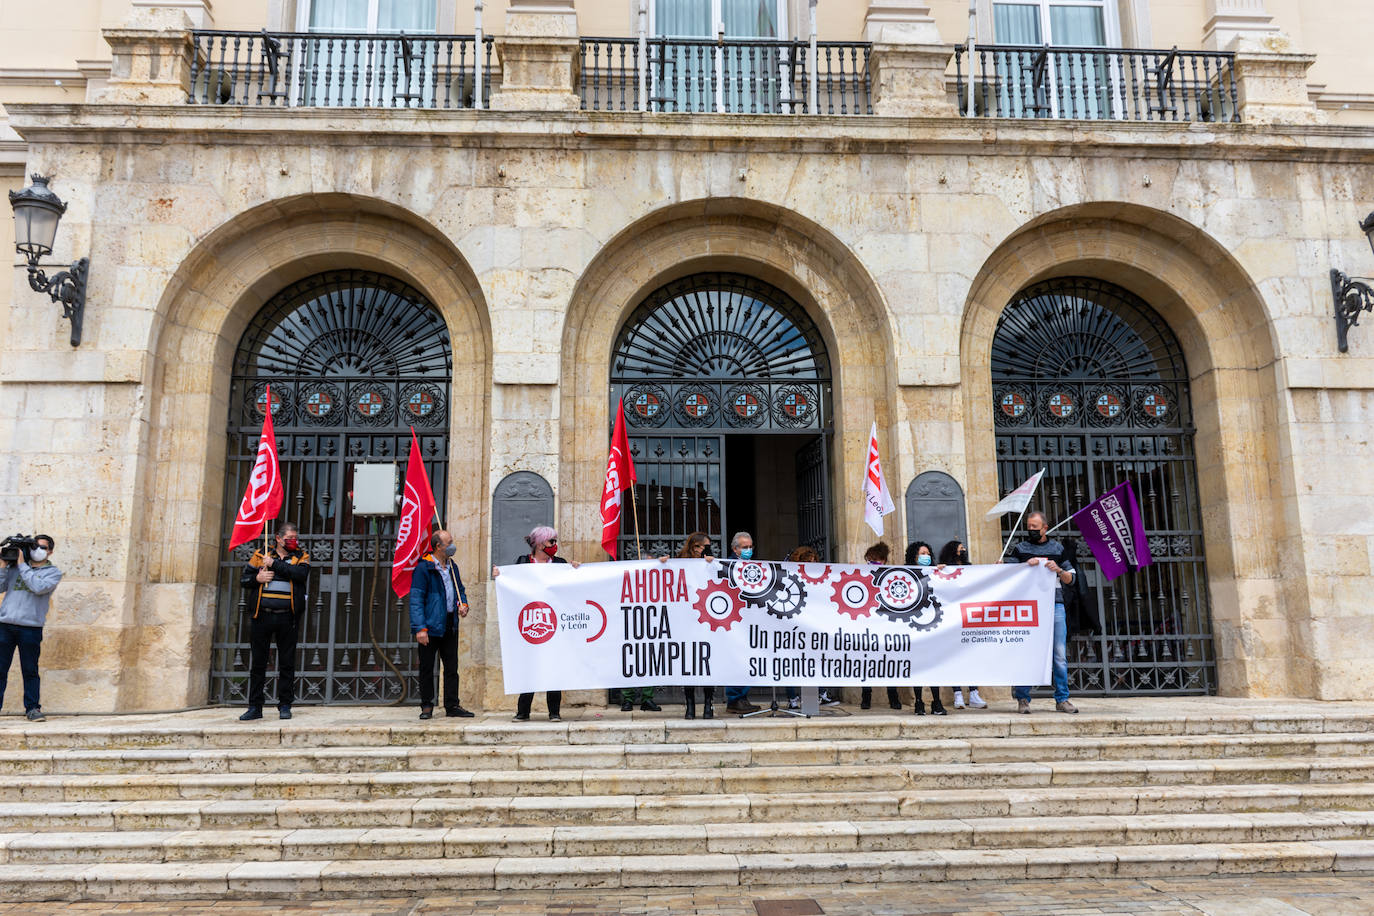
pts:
[1229, 20]
[1272, 83]
[200, 12]
[908, 60]
[538, 57]
[151, 58]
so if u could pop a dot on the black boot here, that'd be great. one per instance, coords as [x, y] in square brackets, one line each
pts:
[866, 698]
[893, 700]
[691, 705]
[920, 708]
[708, 699]
[650, 706]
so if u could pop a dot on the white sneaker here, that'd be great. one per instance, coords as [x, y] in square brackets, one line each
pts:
[794, 703]
[975, 700]
[826, 701]
[958, 699]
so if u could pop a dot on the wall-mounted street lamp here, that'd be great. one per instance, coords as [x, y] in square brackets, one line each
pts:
[37, 211]
[1353, 294]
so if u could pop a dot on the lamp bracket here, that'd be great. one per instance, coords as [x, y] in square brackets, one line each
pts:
[67, 287]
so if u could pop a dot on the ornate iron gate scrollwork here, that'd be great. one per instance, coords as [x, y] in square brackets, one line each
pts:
[354, 360]
[708, 355]
[1089, 382]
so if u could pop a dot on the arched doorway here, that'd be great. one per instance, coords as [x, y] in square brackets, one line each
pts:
[355, 359]
[1089, 382]
[727, 389]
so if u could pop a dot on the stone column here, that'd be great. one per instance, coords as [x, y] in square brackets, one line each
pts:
[1271, 81]
[908, 61]
[1228, 20]
[538, 56]
[151, 58]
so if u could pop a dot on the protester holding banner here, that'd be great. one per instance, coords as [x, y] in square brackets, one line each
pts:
[543, 542]
[737, 698]
[274, 585]
[1038, 548]
[919, 553]
[878, 555]
[954, 553]
[437, 601]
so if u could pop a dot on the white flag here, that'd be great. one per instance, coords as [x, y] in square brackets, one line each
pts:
[1017, 500]
[877, 501]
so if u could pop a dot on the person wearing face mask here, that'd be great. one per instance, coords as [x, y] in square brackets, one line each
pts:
[737, 698]
[920, 554]
[878, 555]
[543, 543]
[1037, 548]
[437, 602]
[27, 583]
[274, 587]
[954, 553]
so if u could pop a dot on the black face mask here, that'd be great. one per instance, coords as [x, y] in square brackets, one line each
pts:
[1035, 535]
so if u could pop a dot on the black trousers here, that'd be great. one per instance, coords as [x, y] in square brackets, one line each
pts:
[866, 695]
[554, 699]
[445, 649]
[266, 628]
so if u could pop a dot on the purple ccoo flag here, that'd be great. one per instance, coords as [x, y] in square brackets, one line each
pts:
[1114, 531]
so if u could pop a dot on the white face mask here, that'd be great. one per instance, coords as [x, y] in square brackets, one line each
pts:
[38, 555]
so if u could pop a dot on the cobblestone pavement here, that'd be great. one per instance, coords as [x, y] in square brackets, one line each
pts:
[1242, 895]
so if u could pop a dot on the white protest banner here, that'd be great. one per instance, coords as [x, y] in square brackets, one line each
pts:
[750, 622]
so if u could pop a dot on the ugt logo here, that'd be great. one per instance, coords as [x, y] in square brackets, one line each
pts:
[537, 622]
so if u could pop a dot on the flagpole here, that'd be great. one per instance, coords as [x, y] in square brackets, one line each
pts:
[634, 508]
[1060, 525]
[1011, 534]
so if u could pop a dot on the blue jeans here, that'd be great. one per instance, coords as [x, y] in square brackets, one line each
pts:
[1061, 660]
[736, 694]
[29, 641]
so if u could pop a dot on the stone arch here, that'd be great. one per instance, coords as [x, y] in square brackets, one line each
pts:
[201, 316]
[777, 246]
[1223, 326]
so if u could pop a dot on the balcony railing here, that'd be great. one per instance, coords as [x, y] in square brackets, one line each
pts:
[1107, 84]
[741, 76]
[340, 70]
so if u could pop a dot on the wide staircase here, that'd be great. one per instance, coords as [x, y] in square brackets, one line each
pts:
[363, 802]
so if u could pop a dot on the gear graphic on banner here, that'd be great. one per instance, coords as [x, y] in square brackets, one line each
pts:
[905, 596]
[854, 594]
[718, 606]
[820, 579]
[786, 600]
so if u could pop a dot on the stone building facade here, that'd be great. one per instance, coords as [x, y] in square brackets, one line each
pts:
[536, 229]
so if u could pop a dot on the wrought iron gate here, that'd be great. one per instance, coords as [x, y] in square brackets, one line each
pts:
[1090, 383]
[354, 360]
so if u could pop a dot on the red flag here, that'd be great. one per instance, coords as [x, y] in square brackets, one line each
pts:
[412, 533]
[263, 495]
[620, 473]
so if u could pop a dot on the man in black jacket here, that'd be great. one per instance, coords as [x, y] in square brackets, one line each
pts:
[1039, 548]
[274, 593]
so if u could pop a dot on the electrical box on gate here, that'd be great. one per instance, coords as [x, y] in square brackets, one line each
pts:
[374, 489]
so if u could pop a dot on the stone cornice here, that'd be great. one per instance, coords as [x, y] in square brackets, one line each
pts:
[227, 125]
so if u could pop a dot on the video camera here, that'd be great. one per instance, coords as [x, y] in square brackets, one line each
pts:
[16, 544]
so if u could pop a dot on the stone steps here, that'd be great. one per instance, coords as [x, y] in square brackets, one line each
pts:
[544, 812]
[801, 837]
[300, 732]
[893, 781]
[549, 758]
[130, 810]
[363, 877]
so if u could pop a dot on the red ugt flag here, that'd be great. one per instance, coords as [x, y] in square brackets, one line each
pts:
[620, 473]
[263, 495]
[412, 533]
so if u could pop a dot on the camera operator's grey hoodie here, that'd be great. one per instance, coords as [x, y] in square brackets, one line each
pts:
[27, 590]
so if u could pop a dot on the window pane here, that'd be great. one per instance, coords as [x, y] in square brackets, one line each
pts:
[683, 18]
[1077, 25]
[338, 16]
[1016, 23]
[750, 18]
[406, 15]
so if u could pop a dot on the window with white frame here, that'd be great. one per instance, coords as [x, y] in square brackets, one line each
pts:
[370, 16]
[1059, 23]
[737, 77]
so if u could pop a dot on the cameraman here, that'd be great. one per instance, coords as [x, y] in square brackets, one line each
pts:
[274, 589]
[27, 581]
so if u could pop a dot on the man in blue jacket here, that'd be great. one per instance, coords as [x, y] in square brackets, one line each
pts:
[27, 583]
[437, 601]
